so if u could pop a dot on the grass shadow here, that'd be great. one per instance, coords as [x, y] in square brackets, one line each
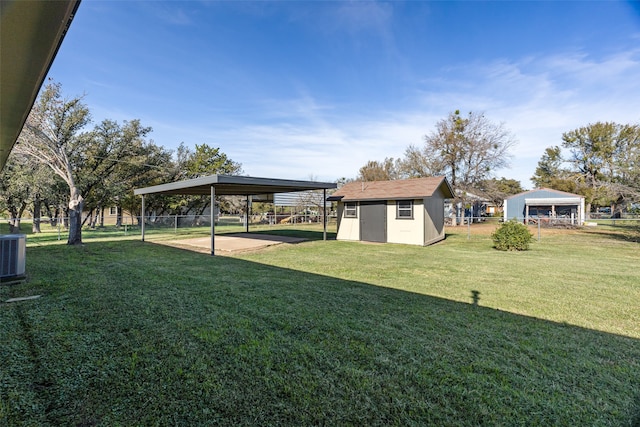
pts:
[135, 333]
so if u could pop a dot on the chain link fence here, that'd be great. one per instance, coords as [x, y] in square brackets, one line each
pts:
[57, 228]
[130, 226]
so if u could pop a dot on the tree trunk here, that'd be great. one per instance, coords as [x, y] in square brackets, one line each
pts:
[16, 215]
[37, 207]
[101, 216]
[53, 216]
[14, 221]
[118, 215]
[76, 202]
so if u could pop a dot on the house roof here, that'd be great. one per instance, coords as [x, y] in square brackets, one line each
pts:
[545, 193]
[415, 188]
[233, 185]
[31, 34]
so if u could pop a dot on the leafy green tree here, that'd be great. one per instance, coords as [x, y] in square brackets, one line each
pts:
[550, 172]
[150, 165]
[14, 189]
[54, 135]
[604, 157]
[497, 190]
[51, 136]
[204, 161]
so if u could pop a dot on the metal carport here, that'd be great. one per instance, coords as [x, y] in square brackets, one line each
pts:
[229, 185]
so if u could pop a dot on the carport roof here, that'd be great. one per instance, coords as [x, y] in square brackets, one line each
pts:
[229, 185]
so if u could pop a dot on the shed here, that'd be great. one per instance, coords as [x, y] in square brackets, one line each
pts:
[407, 211]
[545, 204]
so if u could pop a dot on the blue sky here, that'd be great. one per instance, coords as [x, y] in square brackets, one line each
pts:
[297, 89]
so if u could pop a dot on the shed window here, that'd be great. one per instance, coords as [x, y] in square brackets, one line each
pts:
[404, 209]
[350, 210]
[113, 210]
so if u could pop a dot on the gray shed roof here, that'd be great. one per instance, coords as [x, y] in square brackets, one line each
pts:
[229, 185]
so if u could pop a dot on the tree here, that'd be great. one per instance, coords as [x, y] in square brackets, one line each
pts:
[374, 170]
[205, 160]
[14, 189]
[551, 174]
[50, 136]
[54, 135]
[497, 190]
[467, 149]
[150, 165]
[208, 160]
[604, 157]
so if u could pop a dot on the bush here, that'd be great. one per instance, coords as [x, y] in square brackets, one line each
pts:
[512, 236]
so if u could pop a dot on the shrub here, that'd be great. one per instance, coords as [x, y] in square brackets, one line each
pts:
[512, 236]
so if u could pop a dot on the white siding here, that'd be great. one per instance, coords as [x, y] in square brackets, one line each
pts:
[348, 228]
[408, 231]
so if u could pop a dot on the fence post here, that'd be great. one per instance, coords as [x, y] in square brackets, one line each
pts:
[175, 227]
[539, 229]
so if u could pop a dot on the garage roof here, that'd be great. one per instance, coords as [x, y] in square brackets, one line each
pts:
[30, 34]
[233, 185]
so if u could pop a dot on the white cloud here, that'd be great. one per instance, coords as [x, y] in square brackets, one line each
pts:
[537, 98]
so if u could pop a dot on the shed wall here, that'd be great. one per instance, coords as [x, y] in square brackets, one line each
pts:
[434, 218]
[404, 230]
[348, 228]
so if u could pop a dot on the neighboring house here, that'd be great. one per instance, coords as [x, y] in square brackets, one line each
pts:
[111, 215]
[407, 211]
[545, 204]
[469, 205]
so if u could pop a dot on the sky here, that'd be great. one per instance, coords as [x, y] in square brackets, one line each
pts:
[316, 89]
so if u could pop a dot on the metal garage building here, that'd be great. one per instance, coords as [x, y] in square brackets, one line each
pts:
[545, 204]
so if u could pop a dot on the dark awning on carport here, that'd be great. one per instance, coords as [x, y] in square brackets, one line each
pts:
[229, 185]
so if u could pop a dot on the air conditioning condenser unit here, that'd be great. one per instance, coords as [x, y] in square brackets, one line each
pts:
[13, 254]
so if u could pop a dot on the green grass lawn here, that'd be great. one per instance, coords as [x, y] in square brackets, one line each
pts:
[327, 333]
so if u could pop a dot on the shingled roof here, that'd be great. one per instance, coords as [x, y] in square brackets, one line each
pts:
[415, 188]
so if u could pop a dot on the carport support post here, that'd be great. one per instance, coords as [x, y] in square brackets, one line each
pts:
[213, 220]
[324, 213]
[142, 218]
[247, 221]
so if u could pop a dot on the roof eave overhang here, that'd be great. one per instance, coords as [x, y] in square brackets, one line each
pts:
[31, 33]
[557, 201]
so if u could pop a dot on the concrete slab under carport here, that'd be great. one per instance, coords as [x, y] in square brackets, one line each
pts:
[232, 243]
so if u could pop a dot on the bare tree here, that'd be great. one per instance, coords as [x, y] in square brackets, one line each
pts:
[374, 170]
[467, 149]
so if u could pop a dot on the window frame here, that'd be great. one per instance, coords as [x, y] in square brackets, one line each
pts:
[400, 209]
[347, 209]
[113, 210]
